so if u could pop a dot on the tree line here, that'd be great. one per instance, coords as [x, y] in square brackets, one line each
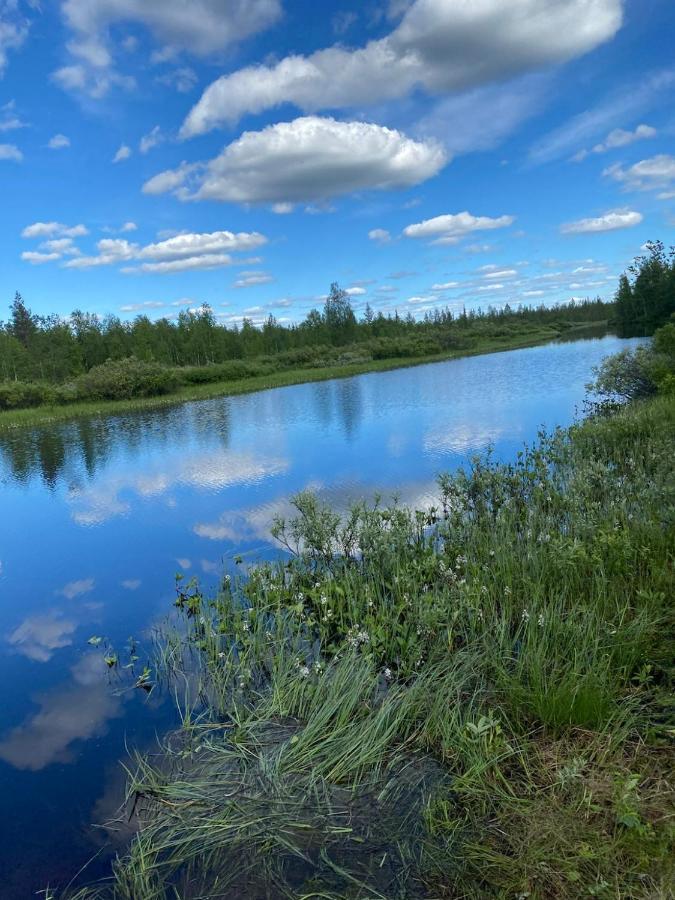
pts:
[54, 349]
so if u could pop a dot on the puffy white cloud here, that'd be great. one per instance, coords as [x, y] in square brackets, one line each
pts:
[311, 158]
[201, 27]
[610, 221]
[451, 228]
[53, 229]
[59, 142]
[654, 174]
[36, 258]
[438, 47]
[381, 235]
[252, 279]
[182, 252]
[10, 152]
[124, 152]
[356, 291]
[153, 139]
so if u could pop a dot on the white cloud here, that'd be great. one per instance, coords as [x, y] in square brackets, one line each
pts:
[9, 120]
[438, 47]
[59, 142]
[13, 29]
[445, 286]
[77, 588]
[182, 79]
[628, 102]
[202, 27]
[381, 235]
[501, 273]
[311, 158]
[356, 291]
[138, 307]
[251, 279]
[610, 221]
[654, 174]
[124, 152]
[153, 139]
[449, 229]
[182, 252]
[53, 229]
[621, 138]
[188, 264]
[10, 152]
[35, 258]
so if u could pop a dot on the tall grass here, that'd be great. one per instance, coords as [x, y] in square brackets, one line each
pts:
[469, 700]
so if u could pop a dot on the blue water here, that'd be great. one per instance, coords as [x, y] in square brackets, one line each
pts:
[98, 514]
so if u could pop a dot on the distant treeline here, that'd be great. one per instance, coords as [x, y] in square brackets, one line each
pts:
[645, 299]
[60, 360]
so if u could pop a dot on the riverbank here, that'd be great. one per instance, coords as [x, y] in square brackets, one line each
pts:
[469, 700]
[45, 415]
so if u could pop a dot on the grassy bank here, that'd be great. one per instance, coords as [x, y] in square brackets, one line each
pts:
[471, 700]
[45, 415]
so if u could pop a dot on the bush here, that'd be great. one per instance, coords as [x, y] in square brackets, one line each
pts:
[125, 379]
[20, 394]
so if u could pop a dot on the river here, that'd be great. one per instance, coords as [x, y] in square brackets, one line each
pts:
[98, 514]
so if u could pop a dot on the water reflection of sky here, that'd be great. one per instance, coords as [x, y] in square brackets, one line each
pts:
[98, 515]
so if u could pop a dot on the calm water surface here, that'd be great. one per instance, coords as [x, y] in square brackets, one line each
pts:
[97, 516]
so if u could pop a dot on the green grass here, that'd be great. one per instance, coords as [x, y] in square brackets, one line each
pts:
[46, 415]
[468, 700]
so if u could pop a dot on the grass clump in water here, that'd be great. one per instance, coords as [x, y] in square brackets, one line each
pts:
[469, 700]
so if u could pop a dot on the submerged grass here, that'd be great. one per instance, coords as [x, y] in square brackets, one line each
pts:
[471, 700]
[49, 414]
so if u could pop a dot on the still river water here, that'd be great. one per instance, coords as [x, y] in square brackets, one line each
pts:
[98, 514]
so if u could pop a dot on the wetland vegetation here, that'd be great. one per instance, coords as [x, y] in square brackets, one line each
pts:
[469, 699]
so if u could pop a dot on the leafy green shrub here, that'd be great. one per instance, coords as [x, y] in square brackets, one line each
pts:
[124, 379]
[20, 394]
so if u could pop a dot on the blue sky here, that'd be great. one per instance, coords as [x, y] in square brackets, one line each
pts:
[158, 154]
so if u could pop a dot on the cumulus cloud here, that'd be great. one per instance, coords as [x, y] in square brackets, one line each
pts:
[10, 152]
[654, 174]
[180, 253]
[59, 142]
[53, 229]
[451, 228]
[437, 47]
[124, 152]
[381, 235]
[201, 27]
[610, 221]
[36, 258]
[311, 158]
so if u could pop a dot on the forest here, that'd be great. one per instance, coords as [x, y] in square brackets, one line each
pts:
[51, 359]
